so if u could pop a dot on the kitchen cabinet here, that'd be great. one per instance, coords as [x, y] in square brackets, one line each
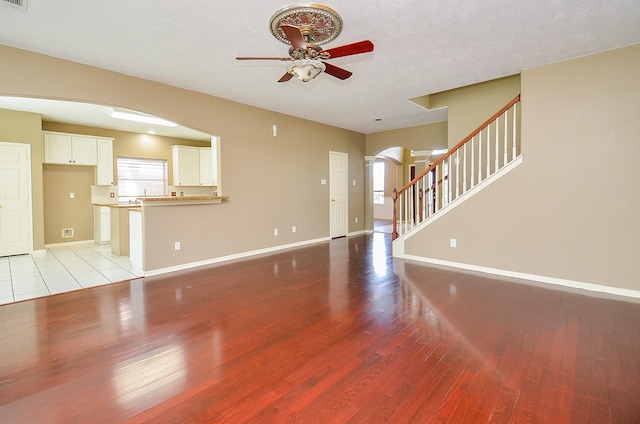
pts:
[102, 224]
[206, 177]
[104, 168]
[192, 166]
[69, 149]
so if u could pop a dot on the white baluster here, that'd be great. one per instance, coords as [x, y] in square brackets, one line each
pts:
[480, 159]
[497, 164]
[505, 160]
[488, 152]
[515, 113]
[464, 167]
[457, 163]
[473, 160]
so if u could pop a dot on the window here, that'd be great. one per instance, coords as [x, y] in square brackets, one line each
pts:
[378, 183]
[141, 177]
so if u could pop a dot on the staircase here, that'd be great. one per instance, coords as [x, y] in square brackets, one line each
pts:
[480, 158]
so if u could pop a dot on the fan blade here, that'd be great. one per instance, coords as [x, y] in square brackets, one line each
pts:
[262, 58]
[294, 36]
[365, 46]
[336, 71]
[286, 77]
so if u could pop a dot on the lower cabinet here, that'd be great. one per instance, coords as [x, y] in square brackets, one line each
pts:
[102, 224]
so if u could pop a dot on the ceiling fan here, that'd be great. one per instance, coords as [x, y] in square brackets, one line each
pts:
[305, 27]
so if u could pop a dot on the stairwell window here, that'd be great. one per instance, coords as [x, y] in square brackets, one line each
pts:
[141, 178]
[378, 183]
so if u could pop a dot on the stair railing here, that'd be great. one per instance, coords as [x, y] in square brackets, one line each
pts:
[487, 150]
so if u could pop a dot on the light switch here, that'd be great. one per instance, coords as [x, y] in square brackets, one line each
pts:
[72, 195]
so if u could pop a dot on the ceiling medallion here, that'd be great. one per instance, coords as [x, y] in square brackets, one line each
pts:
[318, 23]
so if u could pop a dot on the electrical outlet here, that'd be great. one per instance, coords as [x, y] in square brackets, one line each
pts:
[72, 195]
[356, 219]
[177, 245]
[275, 231]
[293, 229]
[453, 243]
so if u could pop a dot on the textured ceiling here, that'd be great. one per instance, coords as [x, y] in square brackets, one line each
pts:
[421, 47]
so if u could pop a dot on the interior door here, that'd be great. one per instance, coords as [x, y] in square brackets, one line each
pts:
[338, 183]
[15, 199]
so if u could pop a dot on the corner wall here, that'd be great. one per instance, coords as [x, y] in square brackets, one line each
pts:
[570, 211]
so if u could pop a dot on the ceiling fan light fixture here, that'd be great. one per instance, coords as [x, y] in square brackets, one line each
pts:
[306, 69]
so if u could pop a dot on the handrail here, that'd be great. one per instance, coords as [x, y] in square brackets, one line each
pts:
[475, 132]
[494, 161]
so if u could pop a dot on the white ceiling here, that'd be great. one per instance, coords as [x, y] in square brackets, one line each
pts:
[421, 47]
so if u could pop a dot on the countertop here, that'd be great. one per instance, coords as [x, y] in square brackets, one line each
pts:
[180, 198]
[165, 200]
[120, 205]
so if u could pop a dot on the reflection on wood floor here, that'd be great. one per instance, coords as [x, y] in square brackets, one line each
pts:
[337, 332]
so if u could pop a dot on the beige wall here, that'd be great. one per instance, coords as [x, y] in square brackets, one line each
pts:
[62, 211]
[421, 137]
[571, 210]
[469, 107]
[273, 182]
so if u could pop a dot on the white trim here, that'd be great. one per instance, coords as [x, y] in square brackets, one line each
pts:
[532, 277]
[421, 153]
[242, 255]
[69, 243]
[346, 193]
[359, 232]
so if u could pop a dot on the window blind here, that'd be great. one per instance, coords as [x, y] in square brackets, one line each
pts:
[141, 178]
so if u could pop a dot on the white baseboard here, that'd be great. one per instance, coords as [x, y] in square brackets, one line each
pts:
[242, 255]
[68, 243]
[357, 233]
[532, 277]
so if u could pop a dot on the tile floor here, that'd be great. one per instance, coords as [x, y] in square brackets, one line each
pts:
[61, 269]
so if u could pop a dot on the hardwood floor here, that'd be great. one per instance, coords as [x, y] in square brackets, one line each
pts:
[333, 333]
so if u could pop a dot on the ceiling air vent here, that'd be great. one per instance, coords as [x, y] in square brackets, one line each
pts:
[15, 4]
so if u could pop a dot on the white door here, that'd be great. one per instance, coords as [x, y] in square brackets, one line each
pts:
[338, 173]
[15, 199]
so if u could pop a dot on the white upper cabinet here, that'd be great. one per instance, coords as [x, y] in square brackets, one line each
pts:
[206, 177]
[69, 149]
[192, 166]
[104, 170]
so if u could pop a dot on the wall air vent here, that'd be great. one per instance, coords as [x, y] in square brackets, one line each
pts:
[20, 5]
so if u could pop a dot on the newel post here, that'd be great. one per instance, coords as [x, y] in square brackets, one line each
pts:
[394, 196]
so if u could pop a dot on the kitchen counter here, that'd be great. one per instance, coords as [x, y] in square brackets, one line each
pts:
[120, 205]
[180, 200]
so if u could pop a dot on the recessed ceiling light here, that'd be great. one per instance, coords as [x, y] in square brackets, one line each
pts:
[151, 132]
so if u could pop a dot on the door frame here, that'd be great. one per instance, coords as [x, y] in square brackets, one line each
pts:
[345, 156]
[29, 188]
